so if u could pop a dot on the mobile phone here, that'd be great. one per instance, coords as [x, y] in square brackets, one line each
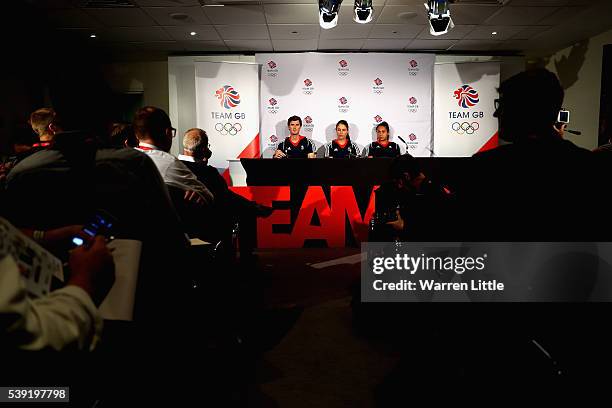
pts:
[563, 117]
[102, 224]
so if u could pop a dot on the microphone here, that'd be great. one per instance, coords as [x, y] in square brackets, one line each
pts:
[574, 132]
[405, 144]
[285, 150]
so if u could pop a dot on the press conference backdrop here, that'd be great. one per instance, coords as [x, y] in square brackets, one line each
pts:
[363, 89]
[464, 100]
[232, 141]
[227, 107]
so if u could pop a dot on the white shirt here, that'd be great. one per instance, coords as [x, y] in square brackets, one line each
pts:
[175, 173]
[183, 157]
[65, 318]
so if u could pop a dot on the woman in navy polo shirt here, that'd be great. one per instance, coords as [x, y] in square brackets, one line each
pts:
[382, 147]
[342, 147]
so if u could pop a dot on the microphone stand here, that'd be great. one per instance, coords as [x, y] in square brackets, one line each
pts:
[405, 143]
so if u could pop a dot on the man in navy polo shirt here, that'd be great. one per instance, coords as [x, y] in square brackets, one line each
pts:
[295, 146]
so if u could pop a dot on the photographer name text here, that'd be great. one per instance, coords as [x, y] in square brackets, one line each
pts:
[478, 285]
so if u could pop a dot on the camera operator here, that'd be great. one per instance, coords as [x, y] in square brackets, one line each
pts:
[412, 206]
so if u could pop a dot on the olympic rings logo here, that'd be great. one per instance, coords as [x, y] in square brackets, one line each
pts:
[228, 128]
[378, 91]
[342, 73]
[307, 92]
[272, 74]
[465, 127]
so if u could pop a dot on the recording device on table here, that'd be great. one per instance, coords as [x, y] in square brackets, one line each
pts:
[102, 224]
[352, 155]
[284, 150]
[563, 118]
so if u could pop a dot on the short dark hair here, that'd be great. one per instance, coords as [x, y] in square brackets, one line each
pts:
[150, 121]
[293, 119]
[383, 124]
[536, 92]
[40, 120]
[122, 135]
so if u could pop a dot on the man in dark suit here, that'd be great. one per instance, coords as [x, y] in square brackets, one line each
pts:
[196, 152]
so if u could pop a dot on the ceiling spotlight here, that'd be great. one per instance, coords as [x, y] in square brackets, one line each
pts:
[92, 36]
[363, 11]
[328, 13]
[494, 33]
[192, 33]
[440, 21]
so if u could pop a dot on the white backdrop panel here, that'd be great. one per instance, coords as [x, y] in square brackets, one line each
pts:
[363, 89]
[464, 107]
[227, 108]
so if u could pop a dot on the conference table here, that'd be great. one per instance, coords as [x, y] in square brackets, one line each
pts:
[316, 172]
[324, 202]
[340, 172]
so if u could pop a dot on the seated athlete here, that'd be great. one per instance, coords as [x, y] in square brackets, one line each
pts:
[382, 147]
[295, 146]
[342, 147]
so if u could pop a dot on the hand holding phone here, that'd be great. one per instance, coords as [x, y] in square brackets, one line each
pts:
[102, 224]
[93, 269]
